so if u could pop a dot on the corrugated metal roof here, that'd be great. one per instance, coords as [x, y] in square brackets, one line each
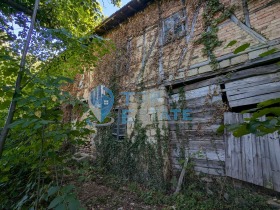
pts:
[128, 10]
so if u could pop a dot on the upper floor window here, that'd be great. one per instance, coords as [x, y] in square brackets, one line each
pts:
[173, 27]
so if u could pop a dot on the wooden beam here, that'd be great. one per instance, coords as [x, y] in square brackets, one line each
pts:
[188, 36]
[160, 39]
[257, 63]
[180, 181]
[250, 31]
[246, 13]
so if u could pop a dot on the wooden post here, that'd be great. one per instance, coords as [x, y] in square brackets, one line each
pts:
[246, 13]
[180, 181]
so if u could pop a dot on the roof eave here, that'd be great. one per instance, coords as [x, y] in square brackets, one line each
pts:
[127, 11]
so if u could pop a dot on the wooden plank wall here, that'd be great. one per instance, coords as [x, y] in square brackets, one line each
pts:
[198, 138]
[250, 158]
[253, 90]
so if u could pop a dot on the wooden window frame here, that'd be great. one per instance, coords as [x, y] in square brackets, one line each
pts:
[177, 20]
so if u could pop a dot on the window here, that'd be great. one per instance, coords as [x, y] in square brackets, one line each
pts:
[173, 27]
[119, 128]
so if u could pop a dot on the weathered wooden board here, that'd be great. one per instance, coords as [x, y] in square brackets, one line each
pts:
[254, 100]
[197, 137]
[201, 153]
[253, 67]
[261, 87]
[200, 92]
[194, 125]
[253, 90]
[250, 158]
[252, 81]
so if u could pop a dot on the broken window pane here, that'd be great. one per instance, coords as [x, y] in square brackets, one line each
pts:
[173, 26]
[168, 29]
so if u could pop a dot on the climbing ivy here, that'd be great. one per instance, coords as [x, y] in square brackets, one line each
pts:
[133, 158]
[214, 13]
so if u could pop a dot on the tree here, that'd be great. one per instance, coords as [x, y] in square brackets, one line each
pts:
[60, 26]
[12, 107]
[62, 44]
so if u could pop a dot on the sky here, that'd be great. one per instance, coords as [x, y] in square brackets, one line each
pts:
[109, 8]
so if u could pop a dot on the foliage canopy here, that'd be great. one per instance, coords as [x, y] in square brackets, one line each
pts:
[40, 143]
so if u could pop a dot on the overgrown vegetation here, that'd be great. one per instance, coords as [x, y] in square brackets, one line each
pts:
[198, 192]
[135, 158]
[38, 145]
[41, 141]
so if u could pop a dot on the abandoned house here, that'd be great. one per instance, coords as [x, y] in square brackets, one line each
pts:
[174, 53]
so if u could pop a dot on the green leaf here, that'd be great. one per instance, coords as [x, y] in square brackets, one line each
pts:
[269, 52]
[28, 122]
[181, 161]
[220, 129]
[272, 123]
[253, 126]
[53, 190]
[233, 42]
[4, 179]
[73, 203]
[45, 122]
[233, 127]
[60, 207]
[241, 48]
[269, 103]
[67, 189]
[37, 126]
[44, 197]
[14, 124]
[241, 131]
[272, 110]
[55, 202]
[22, 201]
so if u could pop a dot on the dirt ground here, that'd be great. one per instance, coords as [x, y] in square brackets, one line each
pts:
[95, 196]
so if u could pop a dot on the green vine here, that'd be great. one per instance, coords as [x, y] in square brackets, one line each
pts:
[214, 13]
[134, 158]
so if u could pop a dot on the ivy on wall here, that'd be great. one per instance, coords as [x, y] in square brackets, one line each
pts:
[214, 13]
[134, 158]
